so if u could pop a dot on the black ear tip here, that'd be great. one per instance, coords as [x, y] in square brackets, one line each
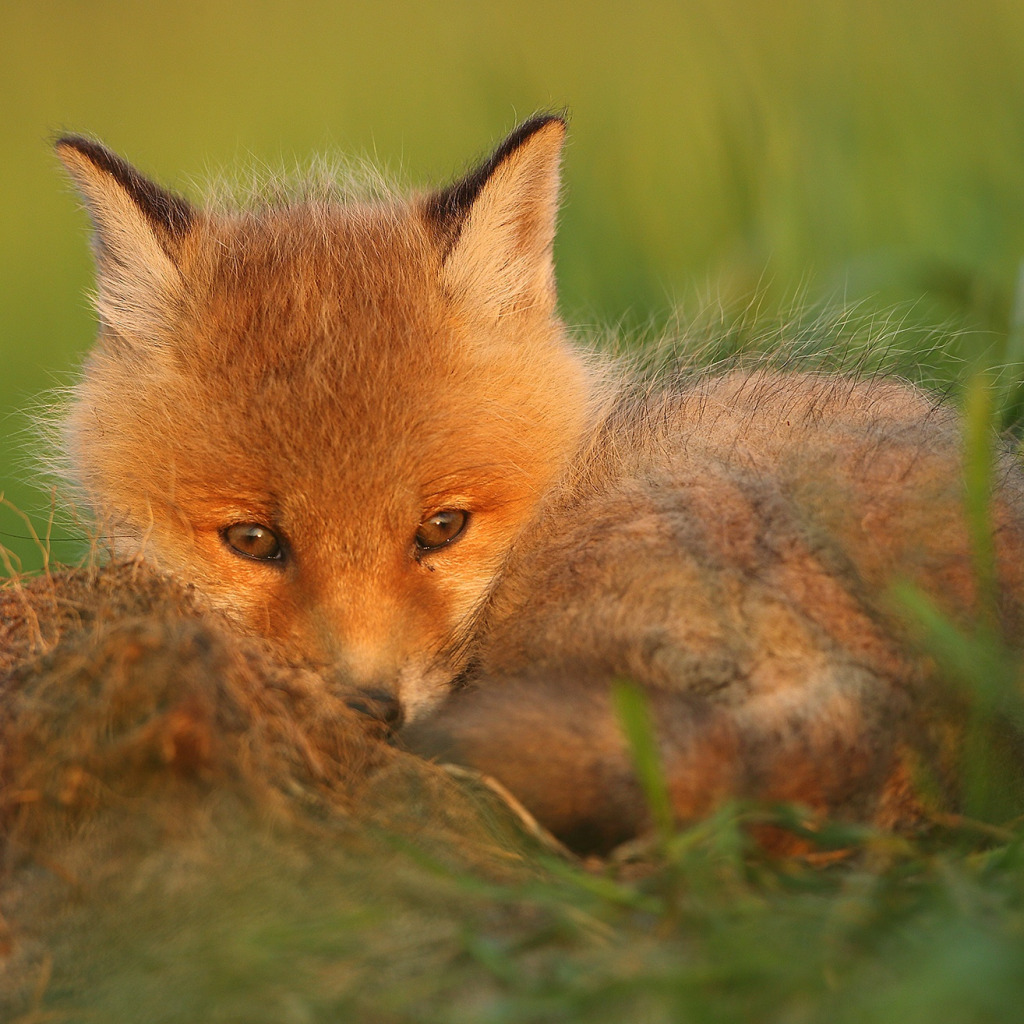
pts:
[525, 131]
[82, 144]
[167, 212]
[87, 147]
[447, 207]
[541, 120]
[97, 154]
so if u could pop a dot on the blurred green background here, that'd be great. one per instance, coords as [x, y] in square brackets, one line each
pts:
[868, 152]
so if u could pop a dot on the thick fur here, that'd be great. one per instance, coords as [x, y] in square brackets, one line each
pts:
[734, 550]
[341, 372]
[338, 373]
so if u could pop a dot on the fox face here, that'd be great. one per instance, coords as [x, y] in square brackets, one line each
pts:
[333, 418]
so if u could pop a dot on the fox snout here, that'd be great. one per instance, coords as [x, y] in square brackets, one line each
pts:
[381, 705]
[393, 681]
[368, 681]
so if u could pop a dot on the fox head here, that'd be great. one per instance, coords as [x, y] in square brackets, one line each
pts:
[333, 418]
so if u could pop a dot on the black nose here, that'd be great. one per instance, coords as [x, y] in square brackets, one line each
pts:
[381, 705]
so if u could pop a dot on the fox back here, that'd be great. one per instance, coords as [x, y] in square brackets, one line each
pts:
[736, 548]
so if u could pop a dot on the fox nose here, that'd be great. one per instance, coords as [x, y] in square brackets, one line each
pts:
[381, 705]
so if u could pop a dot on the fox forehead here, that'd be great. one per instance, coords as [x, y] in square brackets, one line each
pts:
[396, 356]
[333, 289]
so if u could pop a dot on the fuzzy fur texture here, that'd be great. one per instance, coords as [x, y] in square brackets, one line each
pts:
[733, 549]
[340, 373]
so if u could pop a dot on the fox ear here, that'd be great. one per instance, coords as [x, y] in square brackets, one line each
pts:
[139, 230]
[496, 226]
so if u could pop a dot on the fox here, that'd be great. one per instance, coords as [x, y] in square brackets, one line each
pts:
[358, 426]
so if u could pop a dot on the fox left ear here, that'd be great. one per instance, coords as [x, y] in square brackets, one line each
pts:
[139, 230]
[496, 226]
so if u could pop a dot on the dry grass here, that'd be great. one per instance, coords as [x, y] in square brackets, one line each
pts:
[148, 754]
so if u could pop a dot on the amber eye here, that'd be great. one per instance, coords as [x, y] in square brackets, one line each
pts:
[440, 529]
[253, 541]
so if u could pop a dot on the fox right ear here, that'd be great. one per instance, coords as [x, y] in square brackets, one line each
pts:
[496, 226]
[139, 229]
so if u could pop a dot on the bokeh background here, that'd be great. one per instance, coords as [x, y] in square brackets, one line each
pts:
[859, 151]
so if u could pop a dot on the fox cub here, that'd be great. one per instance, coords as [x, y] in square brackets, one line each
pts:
[359, 427]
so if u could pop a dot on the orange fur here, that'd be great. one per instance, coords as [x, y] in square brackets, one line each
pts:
[340, 373]
[337, 373]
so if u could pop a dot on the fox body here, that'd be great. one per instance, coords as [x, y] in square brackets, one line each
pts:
[360, 429]
[734, 550]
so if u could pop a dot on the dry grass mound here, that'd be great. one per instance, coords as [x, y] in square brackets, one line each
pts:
[156, 766]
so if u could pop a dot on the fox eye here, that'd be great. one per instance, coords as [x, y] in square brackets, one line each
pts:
[440, 529]
[253, 541]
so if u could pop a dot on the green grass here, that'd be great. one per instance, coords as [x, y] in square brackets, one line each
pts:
[709, 932]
